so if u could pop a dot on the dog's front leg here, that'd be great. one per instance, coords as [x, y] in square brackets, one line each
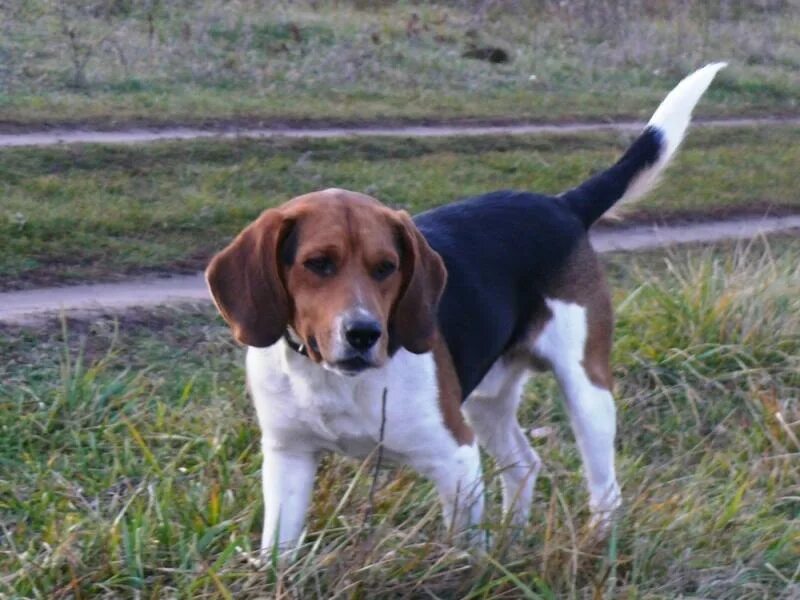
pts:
[458, 479]
[287, 481]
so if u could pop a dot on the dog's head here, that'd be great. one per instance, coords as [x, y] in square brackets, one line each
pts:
[353, 279]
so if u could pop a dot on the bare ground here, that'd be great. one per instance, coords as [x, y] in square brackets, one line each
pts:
[36, 304]
[142, 135]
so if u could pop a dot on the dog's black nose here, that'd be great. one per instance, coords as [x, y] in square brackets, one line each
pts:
[362, 335]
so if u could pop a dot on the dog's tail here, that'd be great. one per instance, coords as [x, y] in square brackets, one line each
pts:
[638, 169]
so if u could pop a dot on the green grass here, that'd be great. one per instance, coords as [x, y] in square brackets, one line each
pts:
[114, 62]
[94, 212]
[129, 461]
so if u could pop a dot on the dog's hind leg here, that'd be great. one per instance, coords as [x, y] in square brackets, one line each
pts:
[576, 344]
[491, 410]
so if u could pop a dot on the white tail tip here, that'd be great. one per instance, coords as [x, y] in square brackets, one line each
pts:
[672, 120]
[673, 115]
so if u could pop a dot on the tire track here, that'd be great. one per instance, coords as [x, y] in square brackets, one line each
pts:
[27, 306]
[56, 137]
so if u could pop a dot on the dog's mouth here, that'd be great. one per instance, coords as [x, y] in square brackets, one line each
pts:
[352, 366]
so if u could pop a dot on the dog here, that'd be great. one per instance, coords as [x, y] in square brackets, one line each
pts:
[365, 327]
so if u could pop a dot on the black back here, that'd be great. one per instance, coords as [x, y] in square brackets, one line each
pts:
[501, 249]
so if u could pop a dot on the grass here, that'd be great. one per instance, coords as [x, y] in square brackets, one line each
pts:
[94, 212]
[129, 461]
[113, 62]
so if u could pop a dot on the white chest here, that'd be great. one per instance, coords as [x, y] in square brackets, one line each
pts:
[300, 404]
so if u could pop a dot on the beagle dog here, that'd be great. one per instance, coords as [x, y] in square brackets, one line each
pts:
[365, 326]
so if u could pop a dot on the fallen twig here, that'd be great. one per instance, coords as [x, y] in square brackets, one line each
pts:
[378, 460]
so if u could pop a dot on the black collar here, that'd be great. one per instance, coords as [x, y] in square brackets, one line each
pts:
[299, 348]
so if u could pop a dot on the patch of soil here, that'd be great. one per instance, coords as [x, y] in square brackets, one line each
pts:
[221, 125]
[676, 218]
[52, 275]
[94, 333]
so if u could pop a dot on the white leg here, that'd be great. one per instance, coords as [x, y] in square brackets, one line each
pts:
[591, 408]
[458, 480]
[287, 481]
[494, 420]
[593, 417]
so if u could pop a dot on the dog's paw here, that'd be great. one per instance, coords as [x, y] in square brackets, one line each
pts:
[604, 513]
[473, 539]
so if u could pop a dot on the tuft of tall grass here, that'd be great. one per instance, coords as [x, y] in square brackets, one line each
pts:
[129, 462]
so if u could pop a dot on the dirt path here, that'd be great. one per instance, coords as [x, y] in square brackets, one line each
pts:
[143, 135]
[32, 305]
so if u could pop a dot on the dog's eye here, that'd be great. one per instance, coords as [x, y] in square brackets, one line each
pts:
[383, 270]
[320, 265]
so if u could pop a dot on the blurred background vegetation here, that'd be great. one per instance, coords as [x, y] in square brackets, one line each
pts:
[157, 61]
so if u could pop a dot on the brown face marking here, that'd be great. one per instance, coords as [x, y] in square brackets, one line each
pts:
[345, 258]
[450, 394]
[323, 263]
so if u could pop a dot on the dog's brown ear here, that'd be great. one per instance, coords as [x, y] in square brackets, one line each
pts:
[424, 276]
[245, 282]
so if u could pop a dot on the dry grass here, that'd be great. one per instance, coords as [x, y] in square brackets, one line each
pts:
[129, 461]
[112, 61]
